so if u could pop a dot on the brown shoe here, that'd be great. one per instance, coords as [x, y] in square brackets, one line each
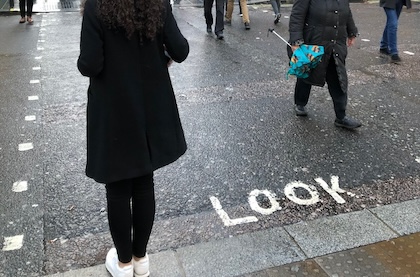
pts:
[30, 20]
[22, 20]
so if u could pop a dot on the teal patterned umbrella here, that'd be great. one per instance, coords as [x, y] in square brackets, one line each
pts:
[303, 59]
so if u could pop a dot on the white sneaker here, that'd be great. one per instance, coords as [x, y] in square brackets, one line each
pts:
[112, 266]
[141, 267]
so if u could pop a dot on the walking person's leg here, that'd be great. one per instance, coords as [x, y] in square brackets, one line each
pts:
[245, 14]
[30, 5]
[208, 5]
[276, 9]
[11, 4]
[302, 92]
[229, 11]
[275, 6]
[220, 10]
[22, 4]
[339, 98]
[391, 30]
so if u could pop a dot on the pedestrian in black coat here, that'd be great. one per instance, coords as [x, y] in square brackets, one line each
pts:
[133, 125]
[328, 23]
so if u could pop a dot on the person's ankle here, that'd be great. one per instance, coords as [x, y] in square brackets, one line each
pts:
[122, 265]
[138, 258]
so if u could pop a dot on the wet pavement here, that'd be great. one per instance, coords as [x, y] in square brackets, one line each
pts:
[258, 188]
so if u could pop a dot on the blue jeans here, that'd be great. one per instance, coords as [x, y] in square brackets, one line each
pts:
[276, 6]
[389, 37]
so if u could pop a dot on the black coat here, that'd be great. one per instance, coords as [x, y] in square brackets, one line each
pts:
[392, 3]
[328, 23]
[133, 125]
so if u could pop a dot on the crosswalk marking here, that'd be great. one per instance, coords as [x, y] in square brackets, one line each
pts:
[20, 186]
[13, 243]
[33, 97]
[25, 146]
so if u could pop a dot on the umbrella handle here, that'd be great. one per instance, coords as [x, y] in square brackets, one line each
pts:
[274, 32]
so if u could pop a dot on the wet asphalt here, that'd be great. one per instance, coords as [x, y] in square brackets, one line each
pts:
[236, 105]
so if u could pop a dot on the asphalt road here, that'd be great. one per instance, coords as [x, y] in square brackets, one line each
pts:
[251, 164]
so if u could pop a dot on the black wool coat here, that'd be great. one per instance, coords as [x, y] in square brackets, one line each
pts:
[133, 125]
[328, 23]
[392, 3]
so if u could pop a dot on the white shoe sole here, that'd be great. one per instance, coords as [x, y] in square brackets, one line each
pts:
[142, 275]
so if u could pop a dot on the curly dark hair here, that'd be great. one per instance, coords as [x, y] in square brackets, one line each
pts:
[143, 16]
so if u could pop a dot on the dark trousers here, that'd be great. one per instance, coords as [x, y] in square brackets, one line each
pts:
[11, 4]
[29, 5]
[208, 5]
[339, 97]
[131, 224]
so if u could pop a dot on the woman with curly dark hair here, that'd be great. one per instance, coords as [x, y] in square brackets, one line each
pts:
[133, 125]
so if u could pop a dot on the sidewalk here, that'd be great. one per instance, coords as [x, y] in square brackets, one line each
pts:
[383, 241]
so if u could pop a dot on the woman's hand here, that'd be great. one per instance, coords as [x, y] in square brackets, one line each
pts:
[351, 41]
[294, 47]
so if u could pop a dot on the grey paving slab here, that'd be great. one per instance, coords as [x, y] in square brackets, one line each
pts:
[239, 255]
[229, 257]
[278, 246]
[402, 217]
[94, 271]
[337, 233]
[299, 269]
[165, 264]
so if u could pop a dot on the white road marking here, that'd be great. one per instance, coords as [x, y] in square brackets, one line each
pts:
[36, 68]
[26, 146]
[289, 191]
[34, 81]
[13, 243]
[33, 97]
[365, 39]
[275, 206]
[38, 58]
[225, 217]
[40, 48]
[20, 186]
[418, 160]
[409, 53]
[334, 190]
[30, 117]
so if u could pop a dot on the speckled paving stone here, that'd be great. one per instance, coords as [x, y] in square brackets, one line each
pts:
[299, 269]
[404, 252]
[256, 274]
[402, 217]
[397, 257]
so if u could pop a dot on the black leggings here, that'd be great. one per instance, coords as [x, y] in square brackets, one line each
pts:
[29, 4]
[123, 217]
